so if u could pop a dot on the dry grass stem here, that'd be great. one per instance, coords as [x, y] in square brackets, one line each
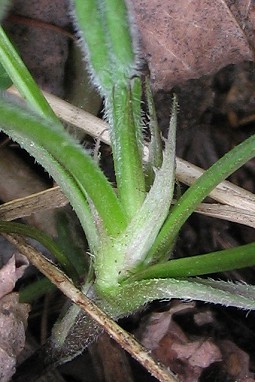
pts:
[224, 212]
[40, 201]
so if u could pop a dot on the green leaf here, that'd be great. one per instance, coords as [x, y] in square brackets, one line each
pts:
[95, 45]
[80, 174]
[184, 207]
[214, 262]
[143, 229]
[5, 80]
[112, 60]
[126, 146]
[121, 43]
[110, 54]
[128, 298]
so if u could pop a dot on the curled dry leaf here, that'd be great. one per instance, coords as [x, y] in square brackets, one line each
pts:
[170, 345]
[187, 39]
[13, 322]
[13, 316]
[11, 272]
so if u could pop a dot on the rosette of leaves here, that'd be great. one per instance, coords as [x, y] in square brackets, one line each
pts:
[130, 232]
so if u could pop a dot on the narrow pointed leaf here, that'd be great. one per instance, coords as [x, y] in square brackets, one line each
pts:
[127, 152]
[155, 146]
[184, 207]
[32, 131]
[219, 261]
[94, 41]
[133, 296]
[144, 228]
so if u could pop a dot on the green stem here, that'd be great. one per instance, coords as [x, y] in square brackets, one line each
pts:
[220, 261]
[45, 240]
[22, 79]
[115, 52]
[126, 151]
[184, 207]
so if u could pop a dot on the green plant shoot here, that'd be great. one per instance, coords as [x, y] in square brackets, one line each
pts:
[130, 232]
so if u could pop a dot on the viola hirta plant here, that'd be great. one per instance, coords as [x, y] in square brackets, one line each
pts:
[131, 232]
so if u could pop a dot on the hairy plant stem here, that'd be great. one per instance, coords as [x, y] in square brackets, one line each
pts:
[127, 151]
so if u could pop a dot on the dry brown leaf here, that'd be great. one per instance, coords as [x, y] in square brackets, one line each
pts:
[13, 322]
[188, 39]
[158, 324]
[11, 272]
[13, 316]
[170, 345]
